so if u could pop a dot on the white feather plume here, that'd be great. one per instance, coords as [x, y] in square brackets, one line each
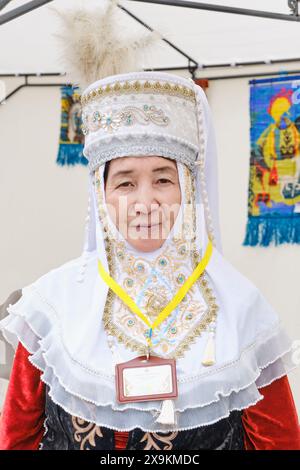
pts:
[94, 47]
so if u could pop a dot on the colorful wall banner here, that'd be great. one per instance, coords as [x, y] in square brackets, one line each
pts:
[274, 178]
[71, 136]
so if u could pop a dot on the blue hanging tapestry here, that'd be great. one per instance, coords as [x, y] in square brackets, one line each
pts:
[71, 136]
[274, 179]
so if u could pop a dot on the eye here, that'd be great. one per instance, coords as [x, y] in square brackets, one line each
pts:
[164, 180]
[125, 184]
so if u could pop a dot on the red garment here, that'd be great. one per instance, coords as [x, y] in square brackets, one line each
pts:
[22, 418]
[121, 439]
[271, 424]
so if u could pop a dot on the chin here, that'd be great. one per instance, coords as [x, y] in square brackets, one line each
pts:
[146, 245]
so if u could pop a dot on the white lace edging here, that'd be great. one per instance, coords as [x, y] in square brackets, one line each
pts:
[89, 394]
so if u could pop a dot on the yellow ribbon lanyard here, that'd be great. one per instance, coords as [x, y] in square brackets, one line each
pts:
[120, 292]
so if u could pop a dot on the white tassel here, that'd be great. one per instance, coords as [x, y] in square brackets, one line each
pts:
[209, 356]
[167, 413]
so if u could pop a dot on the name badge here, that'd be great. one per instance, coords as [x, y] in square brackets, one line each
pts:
[143, 379]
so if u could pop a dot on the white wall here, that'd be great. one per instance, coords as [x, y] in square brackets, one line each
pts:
[42, 205]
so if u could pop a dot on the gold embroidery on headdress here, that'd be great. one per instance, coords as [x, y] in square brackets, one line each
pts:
[139, 87]
[127, 116]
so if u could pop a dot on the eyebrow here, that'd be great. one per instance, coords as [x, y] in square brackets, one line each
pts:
[156, 170]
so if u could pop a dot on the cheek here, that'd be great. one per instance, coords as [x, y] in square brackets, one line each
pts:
[112, 206]
[174, 194]
[172, 198]
[117, 208]
[177, 195]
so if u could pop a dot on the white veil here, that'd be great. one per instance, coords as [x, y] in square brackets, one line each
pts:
[58, 319]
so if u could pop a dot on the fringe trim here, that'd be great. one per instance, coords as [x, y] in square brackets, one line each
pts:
[264, 231]
[70, 154]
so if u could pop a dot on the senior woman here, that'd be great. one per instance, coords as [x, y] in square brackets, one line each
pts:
[150, 339]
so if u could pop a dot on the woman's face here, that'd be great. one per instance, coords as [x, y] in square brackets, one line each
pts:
[143, 199]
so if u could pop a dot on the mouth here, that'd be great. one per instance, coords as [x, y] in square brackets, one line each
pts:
[138, 227]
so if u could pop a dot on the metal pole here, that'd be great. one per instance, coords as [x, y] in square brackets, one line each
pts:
[201, 68]
[16, 75]
[294, 6]
[253, 75]
[19, 11]
[16, 12]
[223, 9]
[25, 85]
[3, 3]
[224, 65]
[225, 77]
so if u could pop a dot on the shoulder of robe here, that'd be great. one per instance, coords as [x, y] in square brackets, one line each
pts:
[62, 282]
[241, 297]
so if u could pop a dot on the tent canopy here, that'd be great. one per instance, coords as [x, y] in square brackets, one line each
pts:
[28, 44]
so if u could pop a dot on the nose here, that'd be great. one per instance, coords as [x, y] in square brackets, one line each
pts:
[146, 206]
[145, 200]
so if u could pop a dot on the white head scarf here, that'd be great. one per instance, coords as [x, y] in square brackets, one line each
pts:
[71, 327]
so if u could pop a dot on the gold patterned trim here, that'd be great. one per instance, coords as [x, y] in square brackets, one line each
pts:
[165, 440]
[208, 318]
[120, 88]
[85, 432]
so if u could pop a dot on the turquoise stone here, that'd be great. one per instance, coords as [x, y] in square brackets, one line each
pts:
[140, 267]
[163, 262]
[180, 278]
[96, 116]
